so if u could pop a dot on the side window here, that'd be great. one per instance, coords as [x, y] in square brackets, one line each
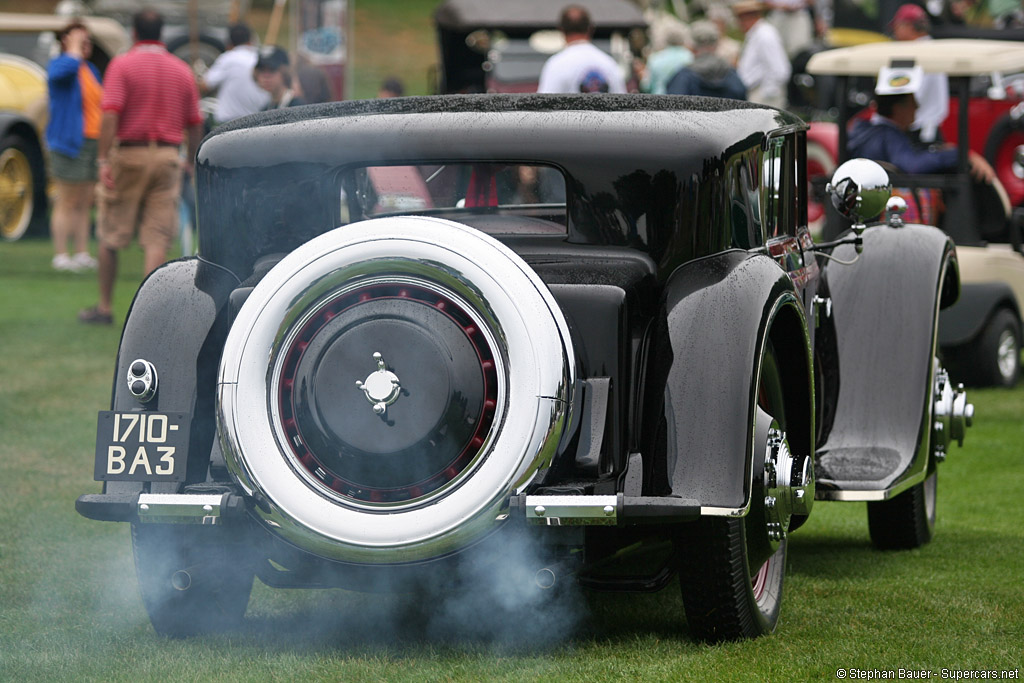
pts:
[744, 199]
[802, 183]
[780, 190]
[771, 181]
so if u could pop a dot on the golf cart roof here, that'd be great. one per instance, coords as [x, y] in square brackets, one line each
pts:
[468, 15]
[952, 56]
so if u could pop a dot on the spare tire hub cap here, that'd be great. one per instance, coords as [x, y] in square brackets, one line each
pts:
[381, 387]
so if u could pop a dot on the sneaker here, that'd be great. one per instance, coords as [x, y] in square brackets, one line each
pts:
[65, 263]
[92, 316]
[84, 261]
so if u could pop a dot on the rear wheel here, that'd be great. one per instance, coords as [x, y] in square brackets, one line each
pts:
[193, 580]
[732, 570]
[905, 521]
[724, 598]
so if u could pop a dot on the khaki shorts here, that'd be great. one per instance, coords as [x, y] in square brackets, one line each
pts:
[147, 183]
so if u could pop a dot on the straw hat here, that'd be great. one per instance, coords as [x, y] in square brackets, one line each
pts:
[748, 6]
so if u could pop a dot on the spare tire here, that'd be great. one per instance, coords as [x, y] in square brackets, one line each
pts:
[389, 385]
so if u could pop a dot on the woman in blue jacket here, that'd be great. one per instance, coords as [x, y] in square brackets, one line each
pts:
[72, 136]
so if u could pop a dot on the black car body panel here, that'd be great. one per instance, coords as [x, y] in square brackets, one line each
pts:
[180, 333]
[866, 448]
[617, 183]
[693, 348]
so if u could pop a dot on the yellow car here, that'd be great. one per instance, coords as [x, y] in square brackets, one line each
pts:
[29, 43]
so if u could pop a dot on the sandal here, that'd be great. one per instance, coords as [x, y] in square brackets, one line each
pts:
[93, 316]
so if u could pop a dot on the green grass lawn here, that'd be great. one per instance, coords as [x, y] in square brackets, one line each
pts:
[69, 607]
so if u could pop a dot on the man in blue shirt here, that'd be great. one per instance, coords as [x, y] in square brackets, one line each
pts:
[884, 137]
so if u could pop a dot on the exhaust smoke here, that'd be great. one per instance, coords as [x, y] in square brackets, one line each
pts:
[505, 594]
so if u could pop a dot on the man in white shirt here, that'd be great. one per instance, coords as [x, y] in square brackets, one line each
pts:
[580, 66]
[231, 75]
[764, 67]
[793, 20]
[911, 23]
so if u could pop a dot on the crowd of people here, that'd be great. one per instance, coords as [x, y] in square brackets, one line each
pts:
[125, 142]
[696, 59]
[700, 59]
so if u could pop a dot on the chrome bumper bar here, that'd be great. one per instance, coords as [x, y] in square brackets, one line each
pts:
[601, 510]
[180, 508]
[162, 508]
[553, 510]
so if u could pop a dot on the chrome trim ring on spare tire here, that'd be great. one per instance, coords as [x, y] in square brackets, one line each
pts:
[389, 385]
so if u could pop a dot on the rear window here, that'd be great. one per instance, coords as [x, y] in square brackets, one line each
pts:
[459, 192]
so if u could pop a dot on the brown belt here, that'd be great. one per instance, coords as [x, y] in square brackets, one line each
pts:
[146, 143]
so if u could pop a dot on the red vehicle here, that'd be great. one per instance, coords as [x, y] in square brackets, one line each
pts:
[996, 129]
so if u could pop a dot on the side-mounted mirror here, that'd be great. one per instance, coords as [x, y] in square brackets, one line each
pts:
[859, 190]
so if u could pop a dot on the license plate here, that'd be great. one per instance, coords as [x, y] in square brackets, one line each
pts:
[141, 446]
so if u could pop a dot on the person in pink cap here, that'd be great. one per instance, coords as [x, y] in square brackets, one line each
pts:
[911, 22]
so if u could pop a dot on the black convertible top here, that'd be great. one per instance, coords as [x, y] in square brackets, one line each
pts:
[493, 103]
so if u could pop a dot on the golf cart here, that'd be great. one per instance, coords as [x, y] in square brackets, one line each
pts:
[980, 336]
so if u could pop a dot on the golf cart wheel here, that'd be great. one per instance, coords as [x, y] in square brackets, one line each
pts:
[905, 521]
[996, 354]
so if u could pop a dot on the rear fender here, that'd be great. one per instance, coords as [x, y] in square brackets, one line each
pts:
[173, 323]
[717, 316]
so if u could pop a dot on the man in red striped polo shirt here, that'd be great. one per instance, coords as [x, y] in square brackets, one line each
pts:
[150, 101]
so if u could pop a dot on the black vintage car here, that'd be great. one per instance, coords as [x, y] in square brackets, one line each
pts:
[419, 329]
